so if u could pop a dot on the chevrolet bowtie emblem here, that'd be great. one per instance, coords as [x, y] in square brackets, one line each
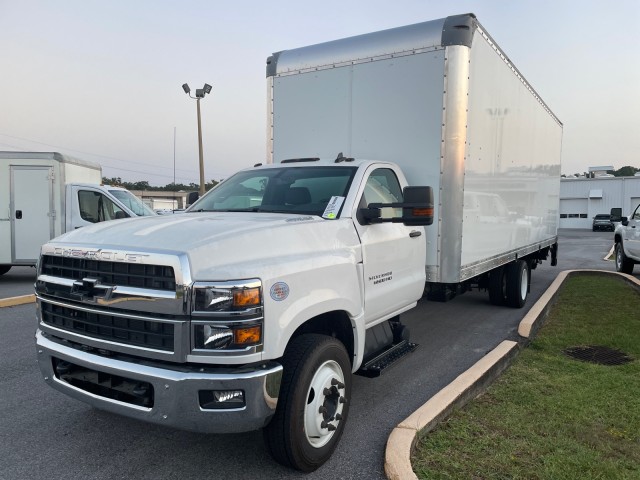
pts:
[91, 287]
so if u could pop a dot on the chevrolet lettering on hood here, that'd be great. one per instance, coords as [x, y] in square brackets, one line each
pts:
[90, 254]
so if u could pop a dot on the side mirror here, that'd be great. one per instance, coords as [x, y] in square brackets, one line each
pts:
[192, 197]
[624, 221]
[417, 208]
[616, 214]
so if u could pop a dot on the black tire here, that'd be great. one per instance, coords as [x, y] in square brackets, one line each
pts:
[4, 269]
[295, 436]
[517, 275]
[623, 263]
[497, 286]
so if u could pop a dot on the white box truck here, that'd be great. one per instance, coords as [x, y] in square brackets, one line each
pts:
[254, 308]
[45, 194]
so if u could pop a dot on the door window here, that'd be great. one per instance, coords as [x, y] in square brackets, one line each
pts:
[96, 207]
[383, 187]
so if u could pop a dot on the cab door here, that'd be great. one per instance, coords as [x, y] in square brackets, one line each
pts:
[633, 229]
[393, 254]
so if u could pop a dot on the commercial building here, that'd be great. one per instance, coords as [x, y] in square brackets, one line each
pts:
[583, 198]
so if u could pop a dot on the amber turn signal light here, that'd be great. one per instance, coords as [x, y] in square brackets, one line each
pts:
[247, 297]
[247, 336]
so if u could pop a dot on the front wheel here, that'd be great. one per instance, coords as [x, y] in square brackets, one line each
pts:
[623, 263]
[313, 404]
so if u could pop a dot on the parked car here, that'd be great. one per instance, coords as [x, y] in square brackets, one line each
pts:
[602, 221]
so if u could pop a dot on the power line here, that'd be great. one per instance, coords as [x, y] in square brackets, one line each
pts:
[88, 153]
[168, 176]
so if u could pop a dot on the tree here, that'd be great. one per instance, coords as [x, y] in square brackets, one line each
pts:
[113, 181]
[627, 171]
[170, 187]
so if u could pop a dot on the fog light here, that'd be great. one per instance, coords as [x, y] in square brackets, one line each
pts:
[221, 399]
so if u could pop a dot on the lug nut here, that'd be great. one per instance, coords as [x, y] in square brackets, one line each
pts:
[326, 392]
[338, 417]
[336, 382]
[343, 400]
[322, 409]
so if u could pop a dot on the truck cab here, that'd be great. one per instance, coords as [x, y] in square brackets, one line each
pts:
[627, 239]
[88, 204]
[270, 290]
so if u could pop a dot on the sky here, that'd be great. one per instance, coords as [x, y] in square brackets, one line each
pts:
[101, 80]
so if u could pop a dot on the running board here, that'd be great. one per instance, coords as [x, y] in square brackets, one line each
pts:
[376, 366]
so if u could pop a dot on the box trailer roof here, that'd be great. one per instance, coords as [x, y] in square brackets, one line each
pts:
[394, 42]
[58, 157]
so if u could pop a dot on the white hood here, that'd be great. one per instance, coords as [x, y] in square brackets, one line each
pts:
[225, 244]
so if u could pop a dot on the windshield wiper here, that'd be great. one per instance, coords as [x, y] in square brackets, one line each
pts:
[249, 209]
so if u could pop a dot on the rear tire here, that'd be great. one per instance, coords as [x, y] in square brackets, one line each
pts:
[497, 287]
[517, 278]
[623, 263]
[313, 404]
[4, 269]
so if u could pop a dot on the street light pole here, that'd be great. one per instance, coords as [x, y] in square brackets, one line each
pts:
[200, 151]
[200, 93]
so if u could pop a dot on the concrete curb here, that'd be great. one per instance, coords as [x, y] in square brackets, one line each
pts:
[471, 383]
[468, 385]
[13, 301]
[608, 257]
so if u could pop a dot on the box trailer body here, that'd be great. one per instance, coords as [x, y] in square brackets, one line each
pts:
[45, 194]
[444, 102]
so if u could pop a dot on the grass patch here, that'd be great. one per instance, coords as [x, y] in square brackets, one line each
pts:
[549, 416]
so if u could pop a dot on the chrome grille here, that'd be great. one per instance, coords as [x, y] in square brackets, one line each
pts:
[115, 328]
[156, 277]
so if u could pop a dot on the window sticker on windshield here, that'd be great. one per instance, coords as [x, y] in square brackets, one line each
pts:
[333, 207]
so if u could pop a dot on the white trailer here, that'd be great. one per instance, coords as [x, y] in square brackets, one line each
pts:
[45, 194]
[444, 102]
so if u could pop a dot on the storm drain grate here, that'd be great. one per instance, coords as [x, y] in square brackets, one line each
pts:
[598, 354]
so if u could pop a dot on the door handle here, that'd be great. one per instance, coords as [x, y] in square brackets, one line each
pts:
[415, 234]
[18, 214]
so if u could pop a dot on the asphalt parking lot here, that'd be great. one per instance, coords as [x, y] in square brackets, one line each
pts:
[45, 433]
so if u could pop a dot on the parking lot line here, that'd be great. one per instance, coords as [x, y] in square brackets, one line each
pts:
[13, 301]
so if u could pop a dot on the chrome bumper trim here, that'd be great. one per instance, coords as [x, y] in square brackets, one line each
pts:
[175, 390]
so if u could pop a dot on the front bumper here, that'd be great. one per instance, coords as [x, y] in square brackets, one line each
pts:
[603, 226]
[175, 391]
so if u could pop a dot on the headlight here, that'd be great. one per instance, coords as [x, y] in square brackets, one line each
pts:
[209, 336]
[227, 315]
[227, 296]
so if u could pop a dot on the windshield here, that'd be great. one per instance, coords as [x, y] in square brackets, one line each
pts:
[132, 202]
[305, 190]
